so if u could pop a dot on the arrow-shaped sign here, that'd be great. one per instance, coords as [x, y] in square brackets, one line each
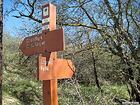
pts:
[46, 42]
[55, 69]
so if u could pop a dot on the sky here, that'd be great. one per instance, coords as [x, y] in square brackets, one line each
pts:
[11, 24]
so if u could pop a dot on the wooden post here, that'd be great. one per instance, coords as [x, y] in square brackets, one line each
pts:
[50, 96]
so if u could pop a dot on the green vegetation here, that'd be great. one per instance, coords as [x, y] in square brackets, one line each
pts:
[89, 95]
[103, 41]
[24, 89]
[8, 100]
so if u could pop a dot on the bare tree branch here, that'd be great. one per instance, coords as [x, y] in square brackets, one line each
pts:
[88, 15]
[76, 25]
[111, 11]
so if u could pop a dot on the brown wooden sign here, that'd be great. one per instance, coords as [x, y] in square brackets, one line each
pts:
[54, 68]
[45, 42]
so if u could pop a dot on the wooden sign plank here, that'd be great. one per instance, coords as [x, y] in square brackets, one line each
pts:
[43, 62]
[45, 42]
[55, 69]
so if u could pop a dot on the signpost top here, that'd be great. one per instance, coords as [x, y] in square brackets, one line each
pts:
[48, 17]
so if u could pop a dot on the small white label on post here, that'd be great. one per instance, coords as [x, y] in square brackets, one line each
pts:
[45, 11]
[45, 27]
[47, 20]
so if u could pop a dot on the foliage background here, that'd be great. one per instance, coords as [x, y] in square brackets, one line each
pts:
[102, 39]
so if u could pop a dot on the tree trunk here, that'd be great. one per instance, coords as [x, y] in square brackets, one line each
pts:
[95, 71]
[1, 47]
[135, 92]
[138, 86]
[134, 85]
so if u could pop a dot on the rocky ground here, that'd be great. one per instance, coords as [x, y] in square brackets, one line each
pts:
[9, 100]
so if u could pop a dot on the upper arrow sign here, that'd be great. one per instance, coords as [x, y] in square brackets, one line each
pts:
[45, 42]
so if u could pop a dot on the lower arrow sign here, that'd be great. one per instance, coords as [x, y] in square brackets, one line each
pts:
[55, 69]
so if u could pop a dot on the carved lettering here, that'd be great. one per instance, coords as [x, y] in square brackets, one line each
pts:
[35, 42]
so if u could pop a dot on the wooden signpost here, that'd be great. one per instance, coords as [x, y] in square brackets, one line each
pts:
[45, 44]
